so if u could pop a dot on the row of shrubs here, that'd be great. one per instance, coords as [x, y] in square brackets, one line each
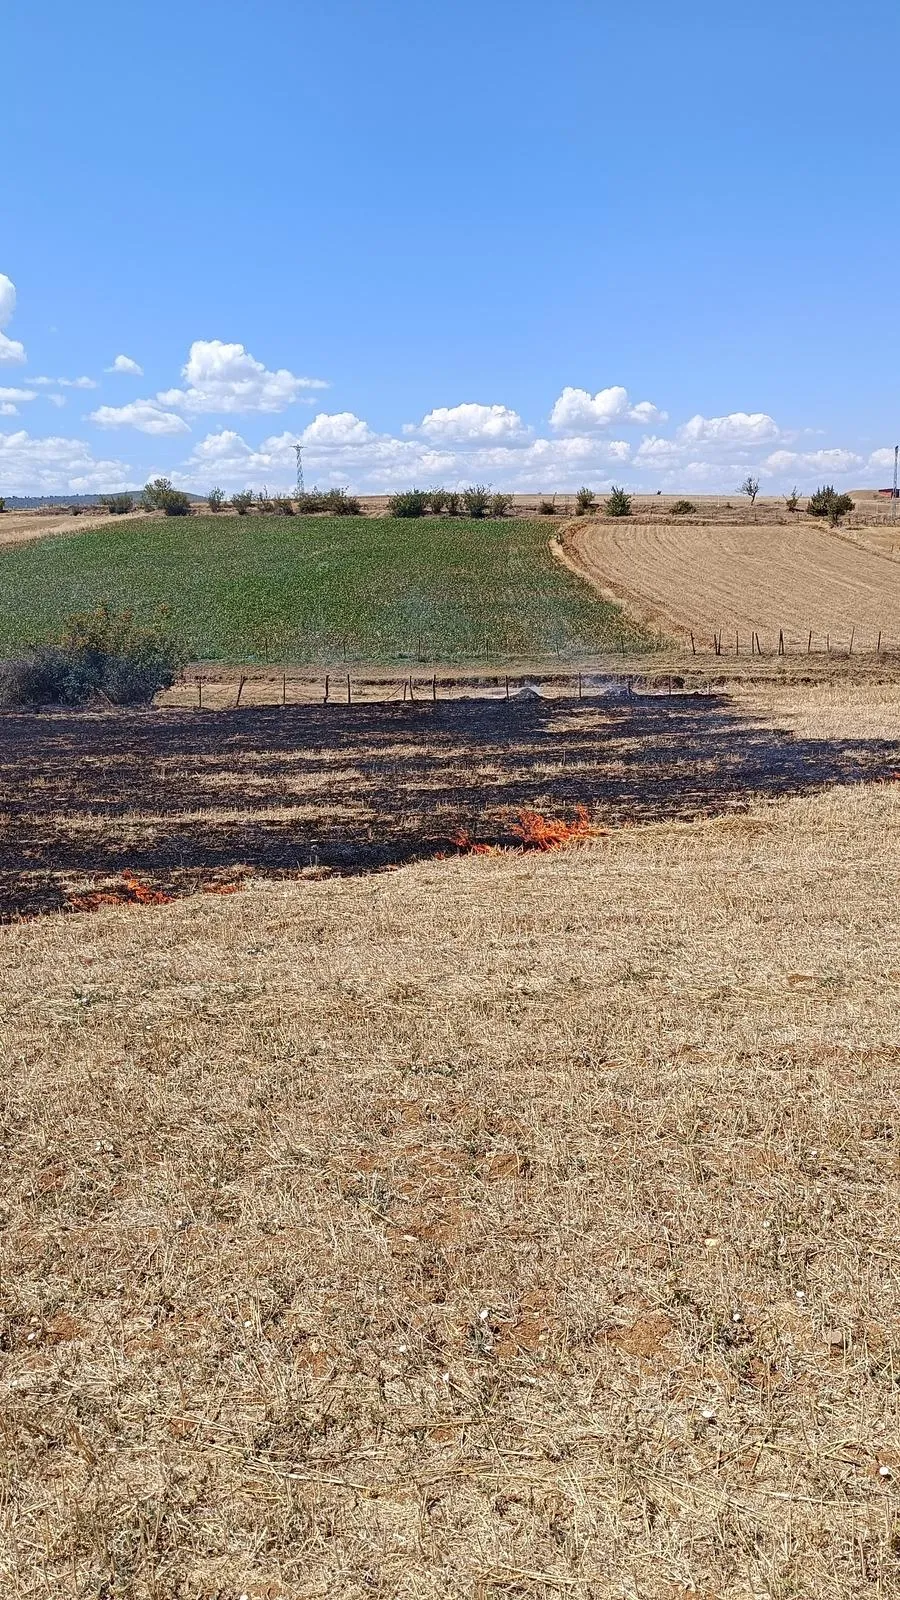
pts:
[476, 501]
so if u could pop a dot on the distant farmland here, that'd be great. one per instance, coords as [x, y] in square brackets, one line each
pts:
[319, 589]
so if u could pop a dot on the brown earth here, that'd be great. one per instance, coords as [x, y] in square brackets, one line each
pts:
[689, 577]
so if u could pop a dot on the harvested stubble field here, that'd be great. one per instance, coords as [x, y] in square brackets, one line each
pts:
[507, 1226]
[317, 588]
[691, 576]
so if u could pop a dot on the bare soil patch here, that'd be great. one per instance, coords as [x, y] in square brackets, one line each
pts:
[521, 1226]
[694, 577]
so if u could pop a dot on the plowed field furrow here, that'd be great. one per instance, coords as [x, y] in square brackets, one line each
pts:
[702, 579]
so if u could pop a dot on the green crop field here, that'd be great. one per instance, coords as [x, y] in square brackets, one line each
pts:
[318, 589]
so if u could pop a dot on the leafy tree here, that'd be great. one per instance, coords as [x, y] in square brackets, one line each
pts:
[2, 505]
[501, 505]
[792, 500]
[684, 508]
[618, 503]
[476, 500]
[750, 487]
[437, 499]
[547, 508]
[584, 501]
[117, 504]
[215, 499]
[453, 499]
[242, 502]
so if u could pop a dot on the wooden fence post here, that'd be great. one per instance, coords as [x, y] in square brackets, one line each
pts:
[434, 687]
[781, 641]
[348, 688]
[327, 682]
[284, 689]
[693, 646]
[199, 694]
[580, 696]
[809, 643]
[240, 691]
[852, 637]
[878, 645]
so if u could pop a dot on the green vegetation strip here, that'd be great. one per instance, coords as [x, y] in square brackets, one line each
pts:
[319, 589]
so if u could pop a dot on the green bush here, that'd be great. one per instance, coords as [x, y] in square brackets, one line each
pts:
[501, 505]
[215, 499]
[547, 508]
[338, 503]
[684, 508]
[411, 503]
[453, 500]
[160, 496]
[618, 503]
[117, 504]
[2, 505]
[177, 504]
[584, 501]
[792, 500]
[826, 502]
[242, 502]
[101, 655]
[476, 500]
[284, 505]
[437, 499]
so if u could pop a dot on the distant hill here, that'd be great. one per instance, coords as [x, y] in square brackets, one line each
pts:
[30, 502]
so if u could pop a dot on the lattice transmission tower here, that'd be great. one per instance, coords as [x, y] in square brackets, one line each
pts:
[300, 488]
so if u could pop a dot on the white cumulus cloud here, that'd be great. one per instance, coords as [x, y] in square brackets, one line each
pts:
[466, 423]
[144, 415]
[739, 428]
[65, 383]
[834, 461]
[125, 364]
[227, 378]
[54, 465]
[10, 349]
[578, 411]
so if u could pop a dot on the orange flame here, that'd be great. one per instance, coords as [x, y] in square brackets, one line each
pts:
[536, 833]
[132, 893]
[551, 833]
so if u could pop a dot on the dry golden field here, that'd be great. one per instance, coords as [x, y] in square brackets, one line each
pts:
[689, 576]
[507, 1225]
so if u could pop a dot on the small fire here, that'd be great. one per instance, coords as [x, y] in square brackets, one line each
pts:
[536, 833]
[552, 833]
[132, 893]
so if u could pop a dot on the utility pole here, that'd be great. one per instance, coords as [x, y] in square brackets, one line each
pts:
[894, 495]
[300, 489]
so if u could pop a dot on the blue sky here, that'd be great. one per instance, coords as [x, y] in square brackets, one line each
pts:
[532, 244]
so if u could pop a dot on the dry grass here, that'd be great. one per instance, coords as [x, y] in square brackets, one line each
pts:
[696, 577]
[521, 1226]
[20, 527]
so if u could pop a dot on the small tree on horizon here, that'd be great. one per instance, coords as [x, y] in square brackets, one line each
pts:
[618, 503]
[750, 487]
